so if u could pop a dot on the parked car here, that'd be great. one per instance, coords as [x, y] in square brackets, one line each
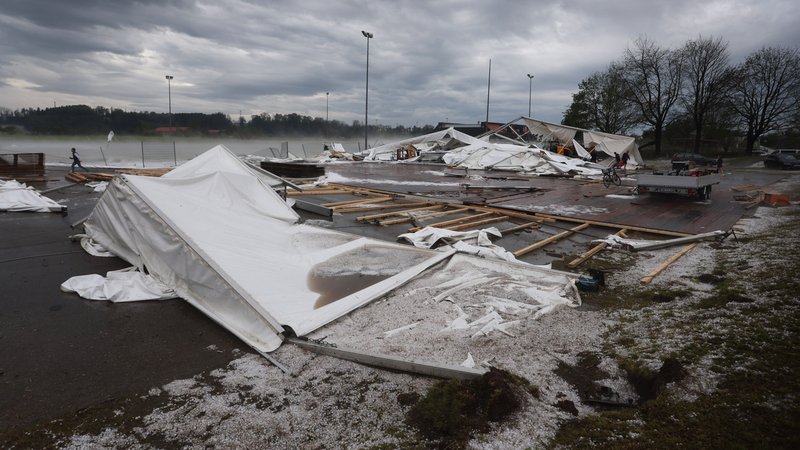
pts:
[680, 160]
[781, 161]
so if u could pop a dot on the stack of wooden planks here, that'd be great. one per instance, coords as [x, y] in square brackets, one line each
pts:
[83, 177]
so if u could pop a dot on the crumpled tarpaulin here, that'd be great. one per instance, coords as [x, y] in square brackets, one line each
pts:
[16, 196]
[473, 242]
[126, 285]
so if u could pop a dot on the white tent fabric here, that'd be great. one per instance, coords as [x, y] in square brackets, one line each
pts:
[605, 142]
[16, 197]
[612, 143]
[386, 152]
[548, 130]
[580, 150]
[117, 286]
[473, 242]
[219, 158]
[225, 242]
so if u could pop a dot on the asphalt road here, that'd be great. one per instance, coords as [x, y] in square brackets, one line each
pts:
[60, 353]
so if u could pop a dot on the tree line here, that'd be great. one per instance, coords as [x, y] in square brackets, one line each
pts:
[692, 91]
[83, 119]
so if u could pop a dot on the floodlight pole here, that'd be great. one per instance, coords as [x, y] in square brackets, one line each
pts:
[369, 36]
[169, 94]
[530, 92]
[488, 91]
[327, 94]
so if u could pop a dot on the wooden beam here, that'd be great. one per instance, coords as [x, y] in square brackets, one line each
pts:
[319, 192]
[397, 213]
[615, 225]
[380, 208]
[465, 226]
[549, 240]
[390, 362]
[665, 264]
[532, 224]
[344, 203]
[594, 250]
[423, 216]
[453, 221]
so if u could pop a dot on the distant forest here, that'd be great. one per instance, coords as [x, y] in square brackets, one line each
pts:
[82, 119]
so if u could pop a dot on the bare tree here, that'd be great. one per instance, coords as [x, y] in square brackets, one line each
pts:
[707, 80]
[766, 91]
[601, 103]
[652, 78]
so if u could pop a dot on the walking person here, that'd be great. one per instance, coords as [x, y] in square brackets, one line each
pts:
[76, 161]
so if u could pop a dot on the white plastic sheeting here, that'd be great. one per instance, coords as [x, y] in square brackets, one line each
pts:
[473, 242]
[387, 152]
[605, 142]
[16, 196]
[124, 285]
[222, 239]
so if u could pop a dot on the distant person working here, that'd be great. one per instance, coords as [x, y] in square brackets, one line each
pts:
[76, 161]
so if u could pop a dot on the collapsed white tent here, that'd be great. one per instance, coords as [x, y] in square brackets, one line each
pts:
[387, 152]
[217, 235]
[606, 142]
[228, 244]
[16, 197]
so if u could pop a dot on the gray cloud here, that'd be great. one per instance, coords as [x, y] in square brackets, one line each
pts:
[428, 60]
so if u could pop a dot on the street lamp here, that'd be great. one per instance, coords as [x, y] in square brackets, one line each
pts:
[367, 35]
[530, 92]
[327, 94]
[169, 94]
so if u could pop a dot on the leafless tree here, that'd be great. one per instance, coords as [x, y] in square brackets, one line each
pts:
[601, 103]
[766, 91]
[653, 77]
[707, 80]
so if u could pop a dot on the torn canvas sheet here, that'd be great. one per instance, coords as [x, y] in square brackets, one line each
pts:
[126, 285]
[229, 245]
[492, 296]
[430, 237]
[17, 197]
[473, 242]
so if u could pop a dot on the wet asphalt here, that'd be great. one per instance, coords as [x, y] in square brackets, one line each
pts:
[59, 353]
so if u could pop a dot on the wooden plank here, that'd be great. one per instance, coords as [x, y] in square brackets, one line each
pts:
[424, 216]
[595, 250]
[390, 362]
[614, 225]
[344, 203]
[319, 192]
[453, 221]
[381, 208]
[549, 240]
[532, 224]
[477, 224]
[397, 213]
[647, 279]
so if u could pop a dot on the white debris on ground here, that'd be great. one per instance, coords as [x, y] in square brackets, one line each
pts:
[327, 402]
[333, 177]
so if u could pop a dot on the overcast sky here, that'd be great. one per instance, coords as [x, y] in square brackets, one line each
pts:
[428, 60]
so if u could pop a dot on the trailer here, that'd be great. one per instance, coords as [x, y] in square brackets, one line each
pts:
[696, 183]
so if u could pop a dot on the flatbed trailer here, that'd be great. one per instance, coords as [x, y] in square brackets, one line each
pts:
[690, 185]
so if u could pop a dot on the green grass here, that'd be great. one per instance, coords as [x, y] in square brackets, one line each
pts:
[746, 331]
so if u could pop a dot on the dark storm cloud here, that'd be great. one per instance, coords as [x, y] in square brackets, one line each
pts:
[428, 60]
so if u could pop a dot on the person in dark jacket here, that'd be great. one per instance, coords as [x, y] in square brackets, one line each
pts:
[76, 161]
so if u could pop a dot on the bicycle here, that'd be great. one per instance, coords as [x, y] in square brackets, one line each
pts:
[610, 177]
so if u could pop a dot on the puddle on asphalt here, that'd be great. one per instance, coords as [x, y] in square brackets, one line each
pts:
[351, 271]
[332, 287]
